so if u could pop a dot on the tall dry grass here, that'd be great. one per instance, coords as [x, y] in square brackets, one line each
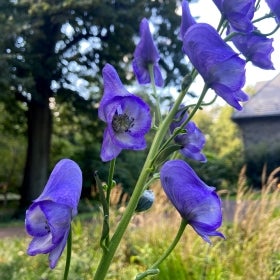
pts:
[251, 249]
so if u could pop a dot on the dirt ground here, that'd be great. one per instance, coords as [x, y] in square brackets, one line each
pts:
[14, 231]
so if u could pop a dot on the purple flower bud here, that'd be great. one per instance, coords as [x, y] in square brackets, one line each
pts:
[192, 141]
[239, 13]
[274, 6]
[127, 116]
[49, 217]
[256, 48]
[145, 54]
[196, 202]
[220, 67]
[187, 19]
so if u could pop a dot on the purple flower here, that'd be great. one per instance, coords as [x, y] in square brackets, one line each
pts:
[196, 202]
[187, 19]
[256, 48]
[49, 216]
[127, 116]
[239, 13]
[220, 67]
[145, 54]
[192, 141]
[274, 6]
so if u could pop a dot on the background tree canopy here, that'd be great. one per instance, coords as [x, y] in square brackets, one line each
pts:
[52, 53]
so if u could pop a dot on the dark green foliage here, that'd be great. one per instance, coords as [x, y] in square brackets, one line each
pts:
[56, 49]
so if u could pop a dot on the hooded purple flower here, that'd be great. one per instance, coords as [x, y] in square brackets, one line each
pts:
[196, 202]
[239, 13]
[49, 216]
[192, 141]
[220, 67]
[256, 48]
[145, 54]
[187, 19]
[274, 6]
[127, 116]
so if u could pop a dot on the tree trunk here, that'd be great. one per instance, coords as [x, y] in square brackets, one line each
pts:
[38, 150]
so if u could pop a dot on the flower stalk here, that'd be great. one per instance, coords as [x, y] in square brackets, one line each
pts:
[153, 270]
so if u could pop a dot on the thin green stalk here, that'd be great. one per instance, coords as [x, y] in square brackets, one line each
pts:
[198, 104]
[68, 254]
[108, 194]
[155, 95]
[273, 31]
[262, 18]
[220, 28]
[154, 268]
[110, 180]
[140, 185]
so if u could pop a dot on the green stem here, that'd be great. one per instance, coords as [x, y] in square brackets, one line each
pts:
[68, 254]
[110, 181]
[155, 95]
[107, 208]
[153, 269]
[272, 32]
[198, 104]
[263, 17]
[140, 185]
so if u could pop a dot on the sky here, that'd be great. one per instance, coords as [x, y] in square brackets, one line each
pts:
[207, 12]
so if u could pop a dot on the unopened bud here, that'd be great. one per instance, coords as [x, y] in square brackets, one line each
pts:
[145, 201]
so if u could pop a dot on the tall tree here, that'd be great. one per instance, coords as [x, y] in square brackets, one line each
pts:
[54, 50]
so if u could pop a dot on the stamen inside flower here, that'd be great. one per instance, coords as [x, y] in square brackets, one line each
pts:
[122, 123]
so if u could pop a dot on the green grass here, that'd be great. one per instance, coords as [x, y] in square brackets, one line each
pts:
[251, 249]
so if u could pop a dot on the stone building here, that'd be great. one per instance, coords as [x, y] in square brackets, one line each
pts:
[259, 122]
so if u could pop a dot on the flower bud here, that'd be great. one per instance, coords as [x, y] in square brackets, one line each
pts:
[146, 201]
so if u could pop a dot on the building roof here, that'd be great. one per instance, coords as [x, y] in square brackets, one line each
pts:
[265, 103]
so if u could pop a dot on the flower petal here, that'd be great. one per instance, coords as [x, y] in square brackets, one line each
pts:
[197, 203]
[40, 245]
[145, 54]
[57, 251]
[64, 185]
[187, 19]
[36, 221]
[58, 217]
[256, 48]
[275, 8]
[239, 13]
[218, 64]
[192, 141]
[132, 137]
[112, 87]
[109, 149]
